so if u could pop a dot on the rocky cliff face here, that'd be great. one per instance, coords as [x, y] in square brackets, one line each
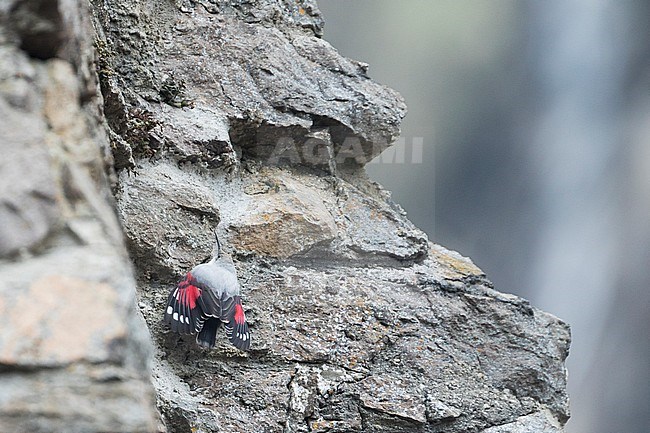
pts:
[234, 114]
[74, 353]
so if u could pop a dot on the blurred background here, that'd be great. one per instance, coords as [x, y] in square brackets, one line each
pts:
[535, 124]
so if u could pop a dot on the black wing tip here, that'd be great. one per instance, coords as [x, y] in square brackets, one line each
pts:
[241, 337]
[242, 345]
[181, 318]
[179, 322]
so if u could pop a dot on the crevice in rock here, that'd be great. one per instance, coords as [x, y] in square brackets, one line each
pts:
[40, 27]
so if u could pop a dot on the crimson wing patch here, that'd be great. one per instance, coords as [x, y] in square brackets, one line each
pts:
[185, 310]
[192, 307]
[237, 327]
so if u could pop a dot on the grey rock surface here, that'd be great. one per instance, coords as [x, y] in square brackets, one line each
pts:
[359, 322]
[257, 67]
[538, 422]
[235, 115]
[74, 352]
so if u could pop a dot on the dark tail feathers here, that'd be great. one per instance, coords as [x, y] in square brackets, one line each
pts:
[208, 336]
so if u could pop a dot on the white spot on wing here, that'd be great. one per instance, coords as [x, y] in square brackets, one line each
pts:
[175, 316]
[182, 318]
[187, 320]
[170, 310]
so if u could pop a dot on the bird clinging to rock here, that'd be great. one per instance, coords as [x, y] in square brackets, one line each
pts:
[208, 296]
